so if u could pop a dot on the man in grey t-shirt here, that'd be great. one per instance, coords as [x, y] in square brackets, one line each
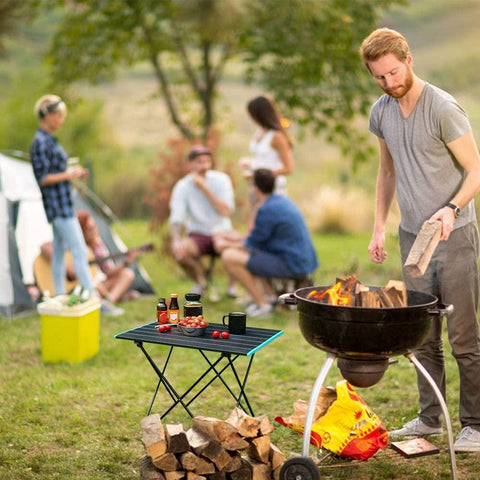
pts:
[428, 156]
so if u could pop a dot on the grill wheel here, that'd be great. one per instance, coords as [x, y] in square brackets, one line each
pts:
[299, 468]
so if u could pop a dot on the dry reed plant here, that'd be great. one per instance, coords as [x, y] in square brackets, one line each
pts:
[338, 210]
[342, 209]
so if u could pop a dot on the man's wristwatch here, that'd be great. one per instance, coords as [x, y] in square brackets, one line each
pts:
[455, 209]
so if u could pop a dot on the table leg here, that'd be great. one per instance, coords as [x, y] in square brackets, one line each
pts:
[160, 382]
[212, 368]
[241, 383]
[162, 379]
[195, 383]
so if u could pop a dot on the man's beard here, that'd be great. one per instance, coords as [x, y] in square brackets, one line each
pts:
[401, 90]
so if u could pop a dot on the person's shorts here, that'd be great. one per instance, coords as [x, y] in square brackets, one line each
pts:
[264, 264]
[203, 242]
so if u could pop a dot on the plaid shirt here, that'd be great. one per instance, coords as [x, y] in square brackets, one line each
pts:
[49, 157]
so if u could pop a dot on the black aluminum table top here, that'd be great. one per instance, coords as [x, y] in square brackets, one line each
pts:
[248, 344]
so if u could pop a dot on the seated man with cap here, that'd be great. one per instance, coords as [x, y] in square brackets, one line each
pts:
[200, 207]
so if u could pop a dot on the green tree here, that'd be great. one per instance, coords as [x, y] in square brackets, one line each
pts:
[303, 51]
[306, 52]
[11, 13]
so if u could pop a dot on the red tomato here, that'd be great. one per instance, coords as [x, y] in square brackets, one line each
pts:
[161, 328]
[215, 334]
[225, 334]
[168, 327]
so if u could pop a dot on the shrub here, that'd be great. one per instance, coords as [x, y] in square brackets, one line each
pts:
[132, 185]
[338, 210]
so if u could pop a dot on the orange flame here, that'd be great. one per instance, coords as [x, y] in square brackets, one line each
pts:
[336, 295]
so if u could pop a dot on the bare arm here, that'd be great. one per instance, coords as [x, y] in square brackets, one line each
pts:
[280, 144]
[466, 152]
[384, 198]
[225, 240]
[218, 204]
[176, 234]
[72, 173]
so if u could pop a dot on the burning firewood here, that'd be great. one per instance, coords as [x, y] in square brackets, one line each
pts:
[350, 292]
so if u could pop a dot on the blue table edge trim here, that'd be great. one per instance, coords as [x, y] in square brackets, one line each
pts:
[266, 342]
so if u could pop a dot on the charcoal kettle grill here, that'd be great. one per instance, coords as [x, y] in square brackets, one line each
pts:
[362, 340]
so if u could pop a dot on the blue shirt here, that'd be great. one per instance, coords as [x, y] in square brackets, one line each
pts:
[48, 157]
[280, 229]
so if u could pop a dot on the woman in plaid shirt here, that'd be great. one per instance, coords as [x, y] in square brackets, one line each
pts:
[49, 162]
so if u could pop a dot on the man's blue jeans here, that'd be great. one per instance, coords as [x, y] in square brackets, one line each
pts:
[67, 235]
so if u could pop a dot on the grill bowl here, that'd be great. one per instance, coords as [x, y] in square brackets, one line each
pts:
[365, 333]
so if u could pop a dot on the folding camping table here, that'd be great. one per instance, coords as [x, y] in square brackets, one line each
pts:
[219, 355]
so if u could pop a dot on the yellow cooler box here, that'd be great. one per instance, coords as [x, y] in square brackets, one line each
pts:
[69, 334]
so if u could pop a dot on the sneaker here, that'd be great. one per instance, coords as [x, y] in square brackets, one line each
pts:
[243, 301]
[108, 308]
[272, 299]
[198, 288]
[468, 440]
[131, 295]
[258, 311]
[415, 428]
[213, 295]
[232, 291]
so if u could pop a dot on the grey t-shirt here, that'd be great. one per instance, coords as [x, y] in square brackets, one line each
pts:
[427, 174]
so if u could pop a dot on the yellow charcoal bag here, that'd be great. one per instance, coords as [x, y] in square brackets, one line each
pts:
[349, 428]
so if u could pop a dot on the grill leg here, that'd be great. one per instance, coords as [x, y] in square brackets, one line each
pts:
[427, 376]
[313, 402]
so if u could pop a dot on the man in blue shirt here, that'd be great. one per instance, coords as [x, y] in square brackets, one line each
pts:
[49, 162]
[279, 245]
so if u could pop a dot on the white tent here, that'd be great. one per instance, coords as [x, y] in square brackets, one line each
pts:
[24, 227]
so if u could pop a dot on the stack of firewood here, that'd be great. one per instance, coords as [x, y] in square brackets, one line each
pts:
[236, 449]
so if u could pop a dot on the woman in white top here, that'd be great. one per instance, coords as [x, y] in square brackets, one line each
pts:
[271, 145]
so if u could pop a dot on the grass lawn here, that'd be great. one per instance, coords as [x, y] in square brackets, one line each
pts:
[81, 421]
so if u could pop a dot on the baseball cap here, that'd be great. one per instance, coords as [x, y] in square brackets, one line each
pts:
[197, 151]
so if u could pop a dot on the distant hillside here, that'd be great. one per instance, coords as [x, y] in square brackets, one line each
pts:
[445, 38]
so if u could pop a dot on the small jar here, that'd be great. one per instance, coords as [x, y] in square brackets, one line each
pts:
[162, 314]
[173, 309]
[192, 306]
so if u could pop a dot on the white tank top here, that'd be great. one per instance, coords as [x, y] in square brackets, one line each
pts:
[264, 156]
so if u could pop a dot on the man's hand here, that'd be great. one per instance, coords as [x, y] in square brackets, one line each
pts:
[447, 216]
[178, 249]
[199, 181]
[218, 204]
[225, 240]
[376, 248]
